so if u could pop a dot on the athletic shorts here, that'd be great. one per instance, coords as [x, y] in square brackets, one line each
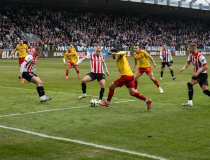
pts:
[147, 70]
[202, 79]
[28, 75]
[21, 60]
[128, 81]
[71, 64]
[165, 63]
[98, 76]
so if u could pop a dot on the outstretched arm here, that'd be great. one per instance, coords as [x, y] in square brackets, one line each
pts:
[152, 60]
[185, 66]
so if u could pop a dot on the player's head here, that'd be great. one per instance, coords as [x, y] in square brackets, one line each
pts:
[192, 47]
[69, 48]
[38, 51]
[98, 50]
[21, 42]
[31, 46]
[164, 46]
[71, 45]
[136, 48]
[113, 51]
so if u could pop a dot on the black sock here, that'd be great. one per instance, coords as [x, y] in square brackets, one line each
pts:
[190, 90]
[172, 73]
[101, 93]
[84, 87]
[40, 91]
[207, 92]
[161, 74]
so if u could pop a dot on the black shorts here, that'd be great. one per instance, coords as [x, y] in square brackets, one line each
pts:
[165, 63]
[28, 75]
[98, 76]
[202, 79]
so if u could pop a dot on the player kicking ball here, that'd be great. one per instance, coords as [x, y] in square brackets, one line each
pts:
[27, 72]
[126, 79]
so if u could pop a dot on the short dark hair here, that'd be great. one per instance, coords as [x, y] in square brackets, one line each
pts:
[114, 50]
[138, 44]
[20, 39]
[38, 49]
[193, 45]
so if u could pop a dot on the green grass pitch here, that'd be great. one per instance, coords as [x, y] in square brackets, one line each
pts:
[168, 130]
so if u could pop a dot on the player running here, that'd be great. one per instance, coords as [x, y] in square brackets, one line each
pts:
[97, 61]
[22, 50]
[72, 60]
[140, 57]
[27, 72]
[200, 76]
[165, 55]
[126, 79]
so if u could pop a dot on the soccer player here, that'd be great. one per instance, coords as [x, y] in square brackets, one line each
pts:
[31, 49]
[140, 57]
[22, 49]
[165, 55]
[97, 62]
[72, 60]
[200, 76]
[126, 79]
[27, 72]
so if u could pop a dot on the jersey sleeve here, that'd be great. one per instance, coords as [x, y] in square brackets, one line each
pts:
[202, 60]
[28, 58]
[189, 58]
[161, 57]
[146, 54]
[16, 48]
[88, 56]
[27, 48]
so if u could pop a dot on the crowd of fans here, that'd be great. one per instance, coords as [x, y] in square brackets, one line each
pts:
[93, 28]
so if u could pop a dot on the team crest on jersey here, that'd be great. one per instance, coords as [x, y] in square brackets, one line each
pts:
[140, 60]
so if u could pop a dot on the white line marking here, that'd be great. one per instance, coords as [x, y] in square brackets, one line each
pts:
[84, 143]
[63, 93]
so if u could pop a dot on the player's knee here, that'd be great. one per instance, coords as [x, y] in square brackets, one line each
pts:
[189, 85]
[102, 85]
[40, 83]
[83, 81]
[111, 86]
[132, 93]
[135, 79]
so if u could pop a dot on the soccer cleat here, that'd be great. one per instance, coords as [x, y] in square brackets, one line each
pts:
[103, 104]
[45, 99]
[161, 78]
[82, 96]
[23, 81]
[161, 90]
[149, 104]
[78, 76]
[66, 78]
[173, 78]
[187, 104]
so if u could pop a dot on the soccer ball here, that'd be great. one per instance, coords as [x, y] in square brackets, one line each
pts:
[93, 102]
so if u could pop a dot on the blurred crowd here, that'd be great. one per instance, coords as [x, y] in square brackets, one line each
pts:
[60, 28]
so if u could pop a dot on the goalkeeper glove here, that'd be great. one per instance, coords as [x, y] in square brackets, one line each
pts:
[172, 61]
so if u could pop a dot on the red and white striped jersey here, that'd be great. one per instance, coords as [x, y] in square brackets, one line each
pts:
[165, 55]
[29, 64]
[198, 61]
[31, 50]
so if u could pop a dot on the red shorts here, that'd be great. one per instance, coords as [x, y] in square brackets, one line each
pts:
[21, 60]
[147, 70]
[128, 81]
[71, 64]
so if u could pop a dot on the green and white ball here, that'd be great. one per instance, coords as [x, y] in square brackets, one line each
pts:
[93, 102]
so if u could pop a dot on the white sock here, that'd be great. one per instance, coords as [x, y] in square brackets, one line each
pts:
[66, 76]
[84, 94]
[107, 102]
[190, 101]
[42, 97]
[146, 100]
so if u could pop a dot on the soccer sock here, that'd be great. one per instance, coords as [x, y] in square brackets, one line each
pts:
[110, 95]
[161, 74]
[139, 96]
[84, 88]
[40, 91]
[172, 73]
[77, 71]
[156, 82]
[101, 93]
[136, 84]
[207, 92]
[67, 72]
[190, 90]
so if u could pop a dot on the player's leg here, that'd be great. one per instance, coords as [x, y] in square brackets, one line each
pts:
[205, 90]
[204, 84]
[67, 70]
[40, 88]
[137, 75]
[21, 60]
[190, 85]
[102, 84]
[86, 79]
[151, 76]
[162, 69]
[77, 70]
[171, 70]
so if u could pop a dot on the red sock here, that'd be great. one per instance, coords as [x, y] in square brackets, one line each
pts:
[110, 95]
[67, 72]
[136, 84]
[139, 96]
[156, 82]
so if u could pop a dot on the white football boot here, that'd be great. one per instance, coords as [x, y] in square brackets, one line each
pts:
[45, 99]
[82, 96]
[160, 89]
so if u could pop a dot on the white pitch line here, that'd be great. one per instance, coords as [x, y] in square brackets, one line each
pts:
[63, 93]
[84, 143]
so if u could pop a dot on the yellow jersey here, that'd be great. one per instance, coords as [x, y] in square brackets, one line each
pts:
[72, 56]
[123, 65]
[141, 59]
[21, 50]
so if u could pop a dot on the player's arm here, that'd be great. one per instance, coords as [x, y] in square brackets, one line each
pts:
[170, 56]
[204, 64]
[12, 53]
[64, 59]
[135, 63]
[152, 60]
[27, 50]
[23, 65]
[104, 65]
[82, 59]
[77, 57]
[185, 66]
[161, 57]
